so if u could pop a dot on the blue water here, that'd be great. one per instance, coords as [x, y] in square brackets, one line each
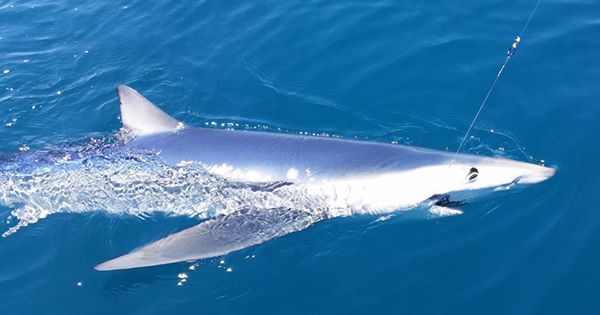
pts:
[412, 72]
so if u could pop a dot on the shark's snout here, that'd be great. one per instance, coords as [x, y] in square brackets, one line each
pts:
[536, 174]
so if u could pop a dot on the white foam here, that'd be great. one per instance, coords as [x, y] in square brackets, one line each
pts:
[437, 211]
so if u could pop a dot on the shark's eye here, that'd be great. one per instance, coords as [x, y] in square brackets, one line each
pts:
[473, 173]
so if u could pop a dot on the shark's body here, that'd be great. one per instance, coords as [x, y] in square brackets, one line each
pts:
[334, 176]
[354, 169]
[345, 176]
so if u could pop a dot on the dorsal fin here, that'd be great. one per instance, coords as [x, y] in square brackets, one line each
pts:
[142, 117]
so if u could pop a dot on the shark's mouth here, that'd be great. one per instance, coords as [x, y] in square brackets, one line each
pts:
[443, 200]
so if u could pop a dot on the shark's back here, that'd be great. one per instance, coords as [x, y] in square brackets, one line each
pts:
[283, 156]
[262, 156]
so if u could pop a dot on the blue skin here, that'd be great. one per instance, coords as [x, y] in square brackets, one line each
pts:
[275, 153]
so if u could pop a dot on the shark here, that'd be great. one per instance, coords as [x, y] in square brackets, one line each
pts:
[344, 176]
[307, 179]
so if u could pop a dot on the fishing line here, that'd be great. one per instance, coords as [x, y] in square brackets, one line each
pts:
[511, 52]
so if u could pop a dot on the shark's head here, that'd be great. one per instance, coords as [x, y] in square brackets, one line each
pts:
[468, 176]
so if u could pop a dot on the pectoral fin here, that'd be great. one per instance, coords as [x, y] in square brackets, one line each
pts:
[215, 237]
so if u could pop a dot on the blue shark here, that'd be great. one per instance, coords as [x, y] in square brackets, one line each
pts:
[256, 185]
[345, 176]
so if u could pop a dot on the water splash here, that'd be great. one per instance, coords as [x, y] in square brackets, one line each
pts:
[101, 176]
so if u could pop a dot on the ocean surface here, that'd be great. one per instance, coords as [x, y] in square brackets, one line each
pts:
[408, 72]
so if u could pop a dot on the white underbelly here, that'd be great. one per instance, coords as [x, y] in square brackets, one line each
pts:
[365, 195]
